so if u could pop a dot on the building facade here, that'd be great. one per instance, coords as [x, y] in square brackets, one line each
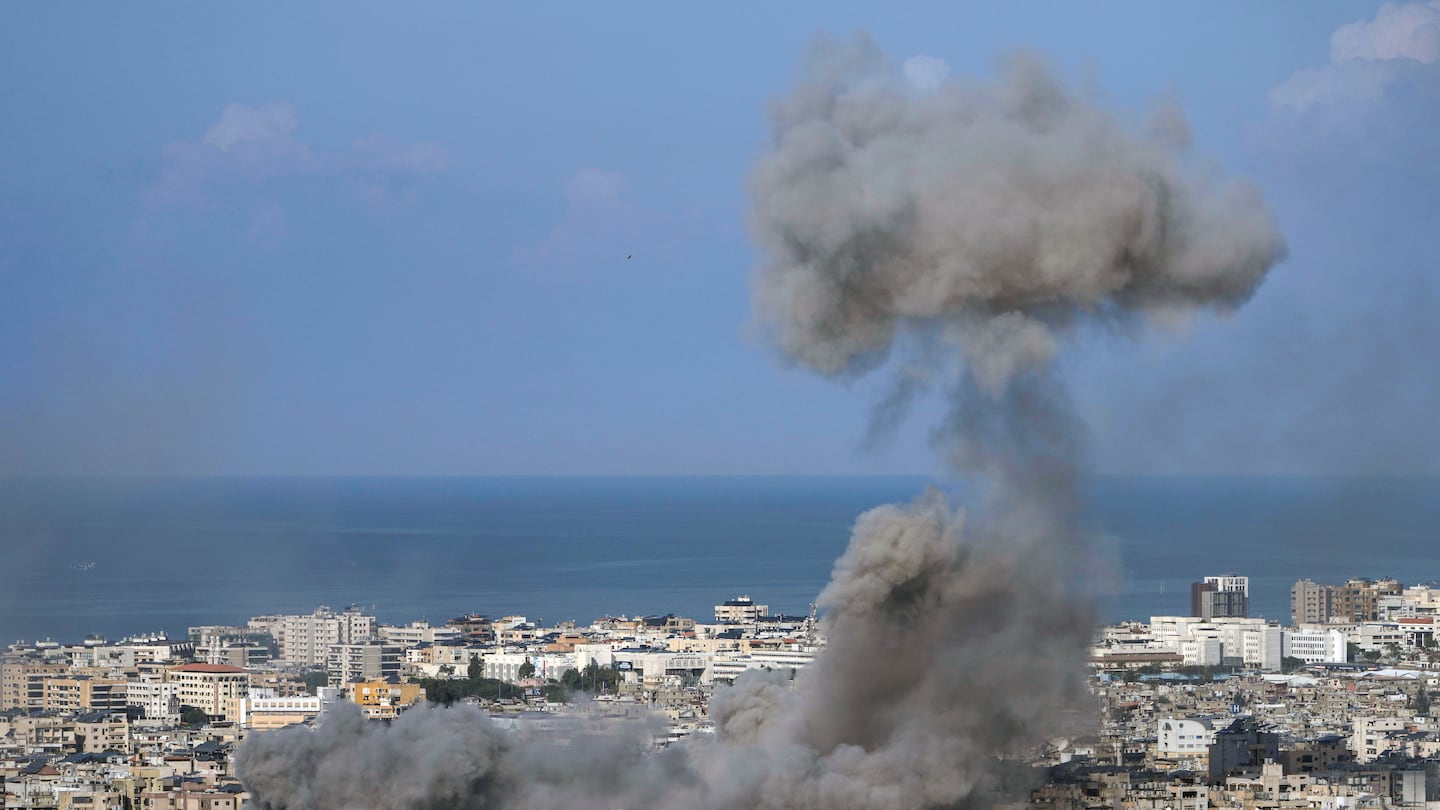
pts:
[215, 689]
[363, 661]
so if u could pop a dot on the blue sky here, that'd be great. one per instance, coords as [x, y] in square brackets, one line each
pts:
[381, 239]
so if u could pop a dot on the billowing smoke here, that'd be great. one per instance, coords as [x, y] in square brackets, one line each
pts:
[974, 224]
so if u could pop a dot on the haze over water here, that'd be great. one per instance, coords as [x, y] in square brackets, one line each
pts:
[170, 553]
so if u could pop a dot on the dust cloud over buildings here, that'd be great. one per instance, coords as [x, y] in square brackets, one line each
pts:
[968, 226]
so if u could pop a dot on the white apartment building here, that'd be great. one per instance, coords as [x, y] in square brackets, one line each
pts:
[157, 699]
[1229, 583]
[263, 710]
[1315, 646]
[306, 640]
[1183, 739]
[505, 666]
[418, 632]
[727, 666]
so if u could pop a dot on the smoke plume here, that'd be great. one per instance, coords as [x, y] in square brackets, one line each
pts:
[981, 220]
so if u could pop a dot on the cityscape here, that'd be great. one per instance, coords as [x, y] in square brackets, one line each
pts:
[542, 406]
[1212, 709]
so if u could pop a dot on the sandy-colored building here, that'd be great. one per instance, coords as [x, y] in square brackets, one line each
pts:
[215, 689]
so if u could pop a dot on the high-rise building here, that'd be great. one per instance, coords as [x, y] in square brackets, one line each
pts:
[1226, 596]
[1358, 600]
[307, 639]
[1310, 602]
[365, 661]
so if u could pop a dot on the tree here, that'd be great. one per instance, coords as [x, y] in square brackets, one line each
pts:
[1422, 702]
[1352, 651]
[527, 670]
[475, 671]
[314, 679]
[1290, 663]
[447, 670]
[191, 716]
[595, 678]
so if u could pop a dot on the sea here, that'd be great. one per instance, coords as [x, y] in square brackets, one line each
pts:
[129, 556]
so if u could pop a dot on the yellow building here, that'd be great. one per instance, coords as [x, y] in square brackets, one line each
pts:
[382, 700]
[80, 693]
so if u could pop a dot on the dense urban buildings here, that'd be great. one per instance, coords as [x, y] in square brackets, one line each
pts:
[1204, 711]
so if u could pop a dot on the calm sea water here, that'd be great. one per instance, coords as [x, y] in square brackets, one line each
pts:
[118, 557]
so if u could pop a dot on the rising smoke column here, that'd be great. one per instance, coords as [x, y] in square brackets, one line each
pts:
[969, 226]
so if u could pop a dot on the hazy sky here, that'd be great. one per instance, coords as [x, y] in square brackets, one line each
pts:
[511, 238]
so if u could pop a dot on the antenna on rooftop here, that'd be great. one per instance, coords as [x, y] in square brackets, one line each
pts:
[809, 626]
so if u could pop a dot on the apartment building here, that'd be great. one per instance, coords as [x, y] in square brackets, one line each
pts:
[383, 700]
[266, 712]
[215, 689]
[740, 610]
[22, 682]
[155, 699]
[363, 661]
[419, 632]
[306, 640]
[82, 693]
[1315, 646]
[1357, 600]
[1225, 596]
[1188, 738]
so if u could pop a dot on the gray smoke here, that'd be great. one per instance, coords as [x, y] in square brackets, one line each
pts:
[999, 211]
[979, 221]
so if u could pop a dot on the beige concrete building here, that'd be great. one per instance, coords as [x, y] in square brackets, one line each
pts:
[80, 693]
[740, 610]
[215, 689]
[22, 682]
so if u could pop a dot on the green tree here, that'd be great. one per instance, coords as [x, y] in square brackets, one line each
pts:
[314, 679]
[594, 679]
[527, 670]
[1352, 651]
[191, 716]
[1422, 702]
[1290, 663]
[475, 671]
